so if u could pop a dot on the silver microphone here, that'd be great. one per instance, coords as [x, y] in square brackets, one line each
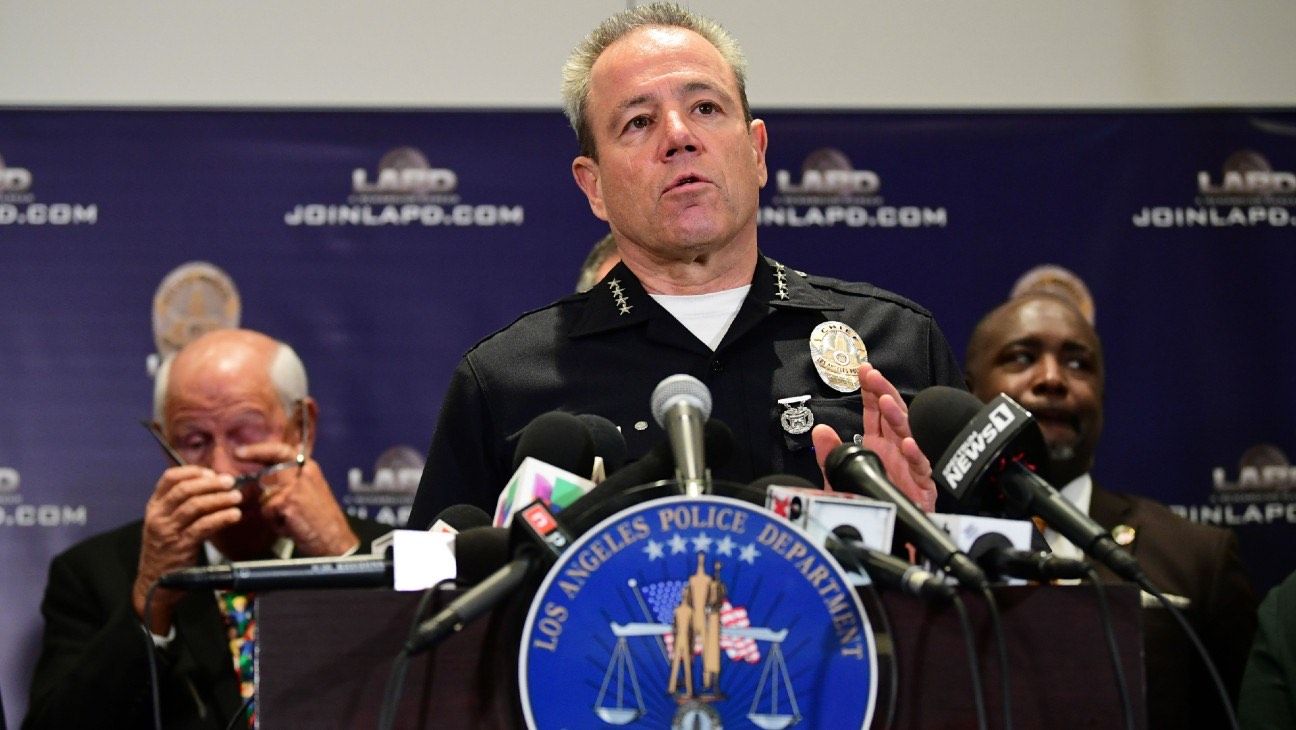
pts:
[681, 404]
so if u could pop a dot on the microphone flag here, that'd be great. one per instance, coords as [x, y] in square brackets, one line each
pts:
[534, 479]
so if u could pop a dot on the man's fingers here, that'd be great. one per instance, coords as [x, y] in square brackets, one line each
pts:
[212, 523]
[919, 464]
[895, 417]
[195, 508]
[825, 439]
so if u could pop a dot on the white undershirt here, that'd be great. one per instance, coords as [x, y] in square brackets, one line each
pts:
[1078, 492]
[707, 316]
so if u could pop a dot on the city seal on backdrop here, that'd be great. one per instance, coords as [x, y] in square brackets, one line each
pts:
[697, 613]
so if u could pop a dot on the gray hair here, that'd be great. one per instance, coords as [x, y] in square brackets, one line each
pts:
[286, 371]
[602, 251]
[576, 72]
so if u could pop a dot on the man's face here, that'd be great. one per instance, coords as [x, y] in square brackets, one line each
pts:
[679, 170]
[219, 402]
[1046, 357]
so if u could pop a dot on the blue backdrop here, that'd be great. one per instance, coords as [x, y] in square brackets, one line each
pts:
[384, 244]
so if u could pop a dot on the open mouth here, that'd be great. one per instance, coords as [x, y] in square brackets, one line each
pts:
[1054, 418]
[684, 181]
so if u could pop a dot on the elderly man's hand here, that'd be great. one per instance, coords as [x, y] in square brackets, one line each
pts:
[886, 433]
[299, 503]
[189, 504]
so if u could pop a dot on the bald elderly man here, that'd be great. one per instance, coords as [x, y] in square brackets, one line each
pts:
[232, 404]
[1042, 351]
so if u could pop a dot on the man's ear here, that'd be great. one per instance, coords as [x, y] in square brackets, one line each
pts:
[760, 142]
[586, 172]
[312, 422]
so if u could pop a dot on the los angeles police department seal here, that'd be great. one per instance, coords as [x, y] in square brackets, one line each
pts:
[838, 352]
[195, 298]
[697, 613]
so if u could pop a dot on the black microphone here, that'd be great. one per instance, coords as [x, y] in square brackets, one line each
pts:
[855, 469]
[681, 404]
[479, 552]
[473, 603]
[977, 454]
[999, 559]
[609, 442]
[558, 439]
[356, 571]
[463, 517]
[886, 570]
[617, 491]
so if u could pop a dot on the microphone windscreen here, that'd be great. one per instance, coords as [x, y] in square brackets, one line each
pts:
[558, 439]
[937, 415]
[479, 552]
[463, 517]
[609, 443]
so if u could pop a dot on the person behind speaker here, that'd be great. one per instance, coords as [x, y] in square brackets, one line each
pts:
[672, 159]
[602, 257]
[230, 403]
[1040, 350]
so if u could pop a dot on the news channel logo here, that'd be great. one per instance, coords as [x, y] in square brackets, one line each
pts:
[697, 613]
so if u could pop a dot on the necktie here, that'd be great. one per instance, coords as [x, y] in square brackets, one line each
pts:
[241, 629]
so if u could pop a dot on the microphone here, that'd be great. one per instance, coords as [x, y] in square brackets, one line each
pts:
[854, 469]
[681, 404]
[473, 603]
[355, 571]
[558, 439]
[617, 491]
[978, 453]
[998, 558]
[884, 569]
[460, 517]
[609, 443]
[479, 552]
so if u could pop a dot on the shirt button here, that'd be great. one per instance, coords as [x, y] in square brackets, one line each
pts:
[717, 366]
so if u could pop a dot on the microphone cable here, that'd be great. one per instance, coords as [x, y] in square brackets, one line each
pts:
[152, 656]
[1118, 671]
[856, 566]
[974, 661]
[395, 686]
[1229, 712]
[996, 625]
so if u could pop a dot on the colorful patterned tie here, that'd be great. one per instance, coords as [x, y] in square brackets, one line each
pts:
[241, 629]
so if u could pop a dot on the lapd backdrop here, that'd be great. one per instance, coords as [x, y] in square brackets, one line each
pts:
[383, 245]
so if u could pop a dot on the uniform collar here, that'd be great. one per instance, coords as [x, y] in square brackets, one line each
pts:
[620, 301]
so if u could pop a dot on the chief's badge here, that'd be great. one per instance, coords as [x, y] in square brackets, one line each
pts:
[796, 418]
[697, 613]
[838, 352]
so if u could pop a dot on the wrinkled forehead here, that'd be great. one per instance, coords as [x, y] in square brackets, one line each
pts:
[654, 52]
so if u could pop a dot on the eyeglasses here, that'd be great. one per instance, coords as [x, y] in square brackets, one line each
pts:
[269, 477]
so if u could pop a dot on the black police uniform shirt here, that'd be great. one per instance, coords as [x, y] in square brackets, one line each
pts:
[605, 350]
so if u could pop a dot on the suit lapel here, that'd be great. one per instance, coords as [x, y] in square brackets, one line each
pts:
[207, 662]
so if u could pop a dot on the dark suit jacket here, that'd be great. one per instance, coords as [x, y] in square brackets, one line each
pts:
[93, 669]
[1200, 563]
